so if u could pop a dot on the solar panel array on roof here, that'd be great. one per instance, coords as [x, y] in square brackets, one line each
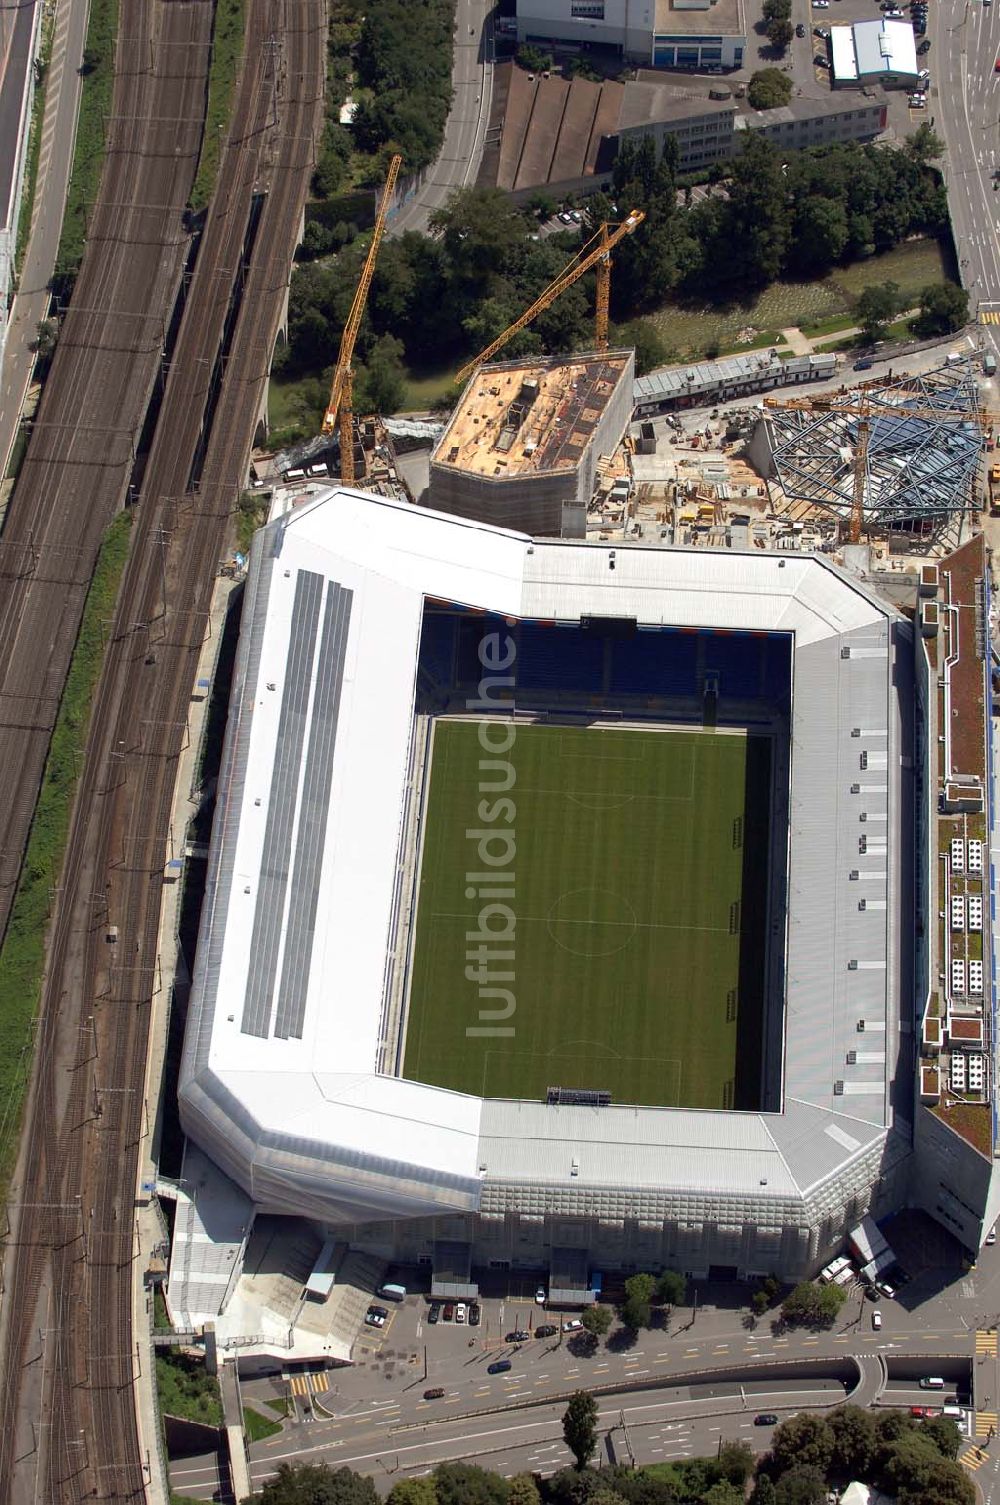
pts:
[269, 913]
[313, 815]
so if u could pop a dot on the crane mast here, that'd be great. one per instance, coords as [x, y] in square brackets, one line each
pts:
[341, 403]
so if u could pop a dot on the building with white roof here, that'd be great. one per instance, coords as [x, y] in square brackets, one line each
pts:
[878, 50]
[290, 1074]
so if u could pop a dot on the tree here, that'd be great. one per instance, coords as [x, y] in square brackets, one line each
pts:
[777, 10]
[467, 1484]
[735, 1461]
[522, 1491]
[637, 1310]
[380, 383]
[722, 1493]
[580, 1427]
[944, 307]
[779, 34]
[420, 1492]
[316, 1484]
[769, 87]
[943, 1432]
[763, 1491]
[853, 1441]
[644, 338]
[811, 1305]
[804, 1440]
[801, 1486]
[924, 145]
[597, 1320]
[671, 1288]
[877, 306]
[820, 235]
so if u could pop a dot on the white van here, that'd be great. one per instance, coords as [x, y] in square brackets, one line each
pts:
[398, 1293]
[932, 1382]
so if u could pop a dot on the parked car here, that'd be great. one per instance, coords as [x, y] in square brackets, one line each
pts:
[449, 1311]
[822, 31]
[434, 1312]
[475, 1313]
[865, 364]
[821, 60]
[876, 1319]
[565, 218]
[540, 1296]
[924, 47]
[376, 1316]
[499, 1366]
[519, 1335]
[918, 1410]
[572, 1325]
[917, 101]
[435, 1393]
[924, 78]
[800, 30]
[546, 1330]
[991, 1237]
[461, 1312]
[765, 1419]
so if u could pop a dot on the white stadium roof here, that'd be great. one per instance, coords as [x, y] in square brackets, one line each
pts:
[280, 1082]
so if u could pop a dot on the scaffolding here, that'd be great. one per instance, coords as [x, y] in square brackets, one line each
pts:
[909, 450]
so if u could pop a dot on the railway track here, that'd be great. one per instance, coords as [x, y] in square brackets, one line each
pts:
[83, 440]
[68, 1415]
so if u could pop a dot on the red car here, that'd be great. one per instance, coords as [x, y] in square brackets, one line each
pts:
[996, 65]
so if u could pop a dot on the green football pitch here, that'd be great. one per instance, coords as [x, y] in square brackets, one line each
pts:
[636, 910]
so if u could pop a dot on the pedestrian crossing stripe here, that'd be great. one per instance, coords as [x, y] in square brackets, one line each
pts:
[309, 1384]
[973, 1458]
[986, 1422]
[986, 1342]
[991, 316]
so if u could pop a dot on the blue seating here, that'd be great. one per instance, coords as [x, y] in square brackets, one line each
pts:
[664, 662]
[559, 658]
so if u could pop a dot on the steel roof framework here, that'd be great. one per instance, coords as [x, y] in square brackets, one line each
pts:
[923, 451]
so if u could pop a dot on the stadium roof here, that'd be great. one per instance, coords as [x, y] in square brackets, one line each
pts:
[282, 1077]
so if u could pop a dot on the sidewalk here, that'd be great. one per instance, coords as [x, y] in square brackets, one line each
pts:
[150, 1227]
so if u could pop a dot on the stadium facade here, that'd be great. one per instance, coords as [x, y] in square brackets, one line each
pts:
[290, 1078]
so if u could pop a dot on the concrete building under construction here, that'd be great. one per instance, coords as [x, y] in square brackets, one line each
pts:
[524, 442]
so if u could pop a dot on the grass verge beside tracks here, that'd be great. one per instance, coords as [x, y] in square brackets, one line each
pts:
[22, 957]
[227, 50]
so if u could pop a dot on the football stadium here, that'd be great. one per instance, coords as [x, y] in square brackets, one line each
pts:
[559, 908]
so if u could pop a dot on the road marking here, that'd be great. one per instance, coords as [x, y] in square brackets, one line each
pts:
[986, 1422]
[986, 1341]
[973, 1458]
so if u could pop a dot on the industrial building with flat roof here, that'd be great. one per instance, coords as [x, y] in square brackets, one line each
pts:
[564, 135]
[874, 51]
[522, 447]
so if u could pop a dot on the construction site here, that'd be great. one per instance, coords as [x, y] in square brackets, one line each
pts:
[709, 455]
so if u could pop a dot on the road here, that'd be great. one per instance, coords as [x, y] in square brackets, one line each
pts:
[69, 1419]
[13, 65]
[31, 305]
[965, 112]
[462, 150]
[672, 1423]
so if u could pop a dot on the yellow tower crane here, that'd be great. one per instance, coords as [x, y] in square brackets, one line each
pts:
[596, 253]
[341, 404]
[864, 410]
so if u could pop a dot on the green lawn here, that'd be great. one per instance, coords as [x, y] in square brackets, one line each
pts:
[628, 954]
[813, 306]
